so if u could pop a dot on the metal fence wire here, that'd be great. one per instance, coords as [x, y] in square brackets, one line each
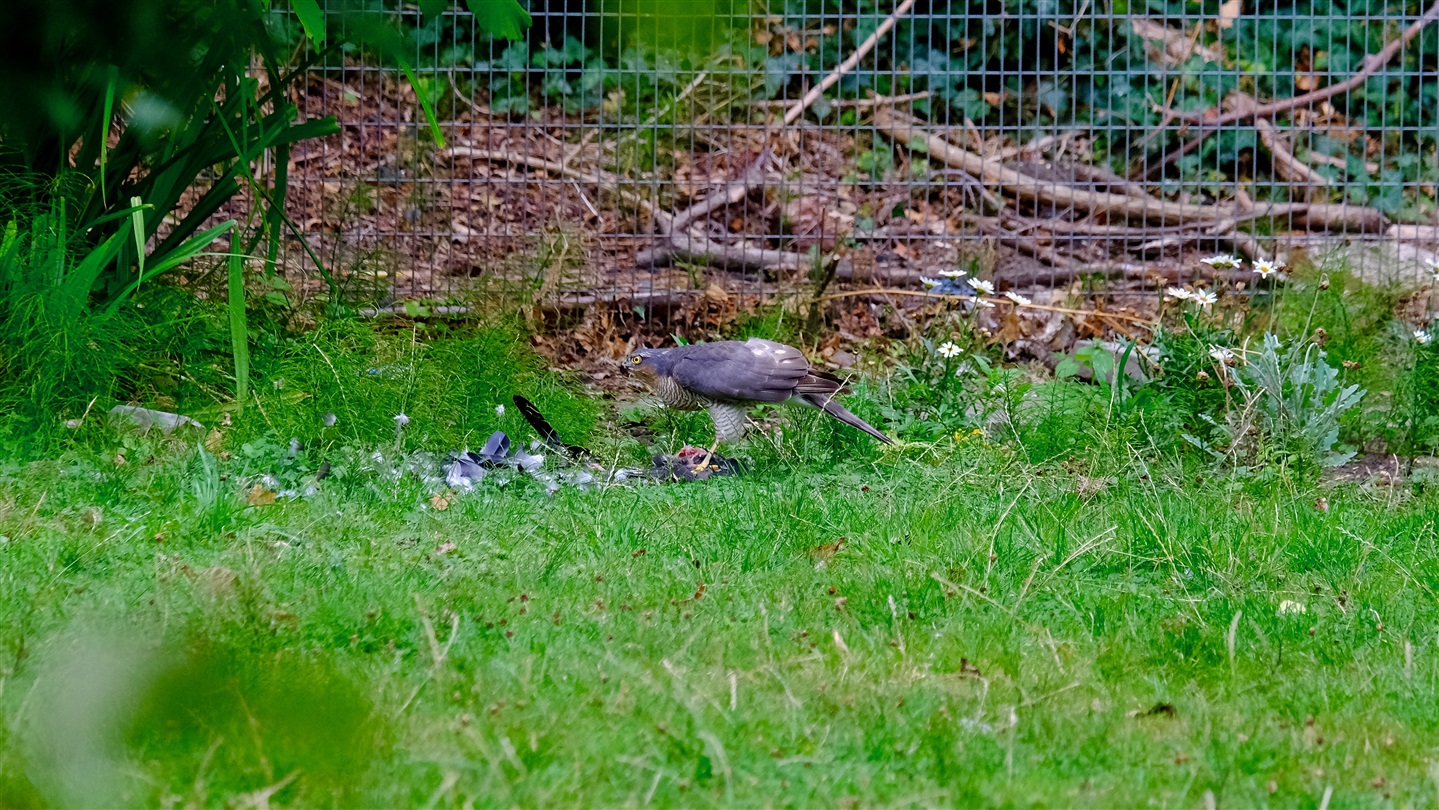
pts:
[643, 151]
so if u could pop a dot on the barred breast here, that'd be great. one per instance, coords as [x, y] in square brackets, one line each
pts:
[676, 396]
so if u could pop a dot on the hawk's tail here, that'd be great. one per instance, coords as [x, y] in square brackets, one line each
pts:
[842, 413]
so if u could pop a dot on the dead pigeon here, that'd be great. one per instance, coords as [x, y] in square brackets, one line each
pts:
[681, 466]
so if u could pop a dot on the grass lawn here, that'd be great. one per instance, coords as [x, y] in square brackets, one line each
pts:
[976, 631]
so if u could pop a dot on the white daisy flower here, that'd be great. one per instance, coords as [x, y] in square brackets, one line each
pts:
[930, 283]
[1204, 298]
[953, 273]
[401, 420]
[980, 285]
[1017, 298]
[1265, 268]
[500, 411]
[1179, 293]
[983, 304]
[948, 349]
[1422, 337]
[1223, 261]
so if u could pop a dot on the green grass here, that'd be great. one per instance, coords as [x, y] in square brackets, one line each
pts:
[983, 635]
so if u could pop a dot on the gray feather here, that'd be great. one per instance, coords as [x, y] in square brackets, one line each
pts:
[843, 414]
[725, 375]
[730, 371]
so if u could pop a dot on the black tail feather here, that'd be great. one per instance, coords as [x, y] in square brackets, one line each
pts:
[843, 414]
[547, 432]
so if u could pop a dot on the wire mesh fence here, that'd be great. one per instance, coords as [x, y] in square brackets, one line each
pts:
[652, 152]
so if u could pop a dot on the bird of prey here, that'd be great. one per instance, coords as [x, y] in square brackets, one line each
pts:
[729, 376]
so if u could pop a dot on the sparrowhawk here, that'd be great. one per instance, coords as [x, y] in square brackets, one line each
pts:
[729, 376]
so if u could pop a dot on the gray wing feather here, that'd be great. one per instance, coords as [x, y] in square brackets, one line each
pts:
[730, 371]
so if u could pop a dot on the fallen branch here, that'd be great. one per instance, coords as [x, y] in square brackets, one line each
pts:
[852, 103]
[700, 249]
[1059, 228]
[794, 113]
[1414, 233]
[1372, 64]
[1053, 277]
[1040, 307]
[732, 193]
[1341, 217]
[603, 179]
[654, 299]
[1097, 175]
[682, 241]
[1286, 165]
[1024, 244]
[993, 172]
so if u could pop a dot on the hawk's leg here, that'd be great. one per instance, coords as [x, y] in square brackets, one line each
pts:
[729, 421]
[705, 462]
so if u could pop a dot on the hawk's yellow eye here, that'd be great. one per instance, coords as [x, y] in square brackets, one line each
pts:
[636, 359]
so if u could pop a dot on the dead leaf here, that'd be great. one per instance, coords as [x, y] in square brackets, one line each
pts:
[445, 548]
[1229, 11]
[215, 441]
[816, 220]
[259, 496]
[1086, 487]
[716, 294]
[825, 551]
[1170, 46]
[440, 501]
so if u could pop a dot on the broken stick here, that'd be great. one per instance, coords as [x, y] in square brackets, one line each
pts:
[994, 172]
[1371, 65]
[793, 113]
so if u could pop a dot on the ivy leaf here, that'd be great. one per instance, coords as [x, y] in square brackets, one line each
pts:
[312, 18]
[503, 18]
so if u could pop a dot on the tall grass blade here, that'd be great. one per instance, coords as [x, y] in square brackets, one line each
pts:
[239, 328]
[111, 80]
[137, 227]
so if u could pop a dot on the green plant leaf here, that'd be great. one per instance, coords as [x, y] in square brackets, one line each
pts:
[503, 18]
[312, 18]
[108, 113]
[186, 251]
[427, 103]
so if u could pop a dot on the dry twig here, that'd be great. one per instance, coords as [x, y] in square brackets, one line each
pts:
[1040, 307]
[1372, 64]
[994, 172]
[607, 180]
[848, 64]
[1286, 165]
